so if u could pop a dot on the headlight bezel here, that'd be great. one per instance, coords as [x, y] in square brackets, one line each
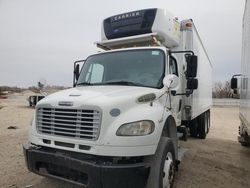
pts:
[136, 126]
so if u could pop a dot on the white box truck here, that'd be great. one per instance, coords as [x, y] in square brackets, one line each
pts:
[244, 128]
[118, 126]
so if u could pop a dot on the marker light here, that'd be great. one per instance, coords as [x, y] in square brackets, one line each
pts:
[189, 25]
[147, 98]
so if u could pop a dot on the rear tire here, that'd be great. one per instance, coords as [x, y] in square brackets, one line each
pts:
[246, 142]
[162, 165]
[209, 122]
[193, 128]
[203, 125]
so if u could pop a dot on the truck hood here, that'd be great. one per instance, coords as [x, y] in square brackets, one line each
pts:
[101, 96]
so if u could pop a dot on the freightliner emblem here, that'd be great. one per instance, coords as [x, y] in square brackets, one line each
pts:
[65, 103]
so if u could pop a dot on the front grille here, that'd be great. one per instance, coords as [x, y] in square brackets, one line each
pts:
[74, 123]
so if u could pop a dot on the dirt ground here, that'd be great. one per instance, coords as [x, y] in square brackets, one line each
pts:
[218, 161]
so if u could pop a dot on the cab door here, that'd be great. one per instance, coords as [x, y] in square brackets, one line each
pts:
[176, 100]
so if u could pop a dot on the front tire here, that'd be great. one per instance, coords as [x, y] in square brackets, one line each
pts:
[162, 165]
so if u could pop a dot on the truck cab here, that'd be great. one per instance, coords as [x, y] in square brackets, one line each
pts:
[117, 127]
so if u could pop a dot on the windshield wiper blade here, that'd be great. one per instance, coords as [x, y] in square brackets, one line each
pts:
[122, 83]
[84, 84]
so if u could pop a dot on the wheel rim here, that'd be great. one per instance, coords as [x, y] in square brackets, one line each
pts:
[168, 171]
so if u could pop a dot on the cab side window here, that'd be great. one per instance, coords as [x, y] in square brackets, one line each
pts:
[173, 67]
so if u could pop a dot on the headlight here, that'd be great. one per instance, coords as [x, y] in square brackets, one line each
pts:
[139, 128]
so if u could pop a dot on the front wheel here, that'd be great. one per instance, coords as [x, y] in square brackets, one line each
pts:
[162, 165]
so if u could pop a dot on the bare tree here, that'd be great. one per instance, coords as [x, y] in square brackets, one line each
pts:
[222, 90]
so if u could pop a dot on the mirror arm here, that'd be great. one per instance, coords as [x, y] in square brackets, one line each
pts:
[79, 61]
[180, 52]
[237, 75]
[187, 94]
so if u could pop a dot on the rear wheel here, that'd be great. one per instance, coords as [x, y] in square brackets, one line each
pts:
[246, 141]
[209, 122]
[162, 165]
[193, 128]
[203, 125]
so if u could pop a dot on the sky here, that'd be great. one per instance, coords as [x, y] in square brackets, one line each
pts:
[40, 39]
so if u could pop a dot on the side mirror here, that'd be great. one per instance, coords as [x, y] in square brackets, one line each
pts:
[76, 72]
[236, 91]
[234, 83]
[171, 81]
[192, 62]
[192, 84]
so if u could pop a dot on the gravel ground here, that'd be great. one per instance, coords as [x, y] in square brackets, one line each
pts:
[218, 161]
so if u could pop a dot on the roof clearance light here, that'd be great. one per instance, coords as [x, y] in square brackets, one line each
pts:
[190, 25]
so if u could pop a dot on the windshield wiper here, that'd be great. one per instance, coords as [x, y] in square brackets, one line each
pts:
[84, 84]
[121, 82]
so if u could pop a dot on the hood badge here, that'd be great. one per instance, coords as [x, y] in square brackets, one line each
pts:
[65, 103]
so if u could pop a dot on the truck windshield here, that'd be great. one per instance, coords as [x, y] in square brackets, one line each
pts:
[133, 67]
